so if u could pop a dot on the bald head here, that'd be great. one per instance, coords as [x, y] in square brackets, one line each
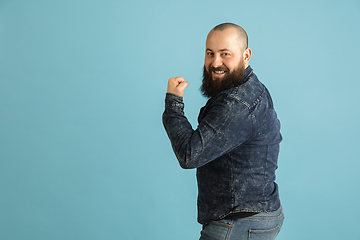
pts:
[226, 50]
[241, 34]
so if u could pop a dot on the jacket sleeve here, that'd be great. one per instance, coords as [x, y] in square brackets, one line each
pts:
[227, 124]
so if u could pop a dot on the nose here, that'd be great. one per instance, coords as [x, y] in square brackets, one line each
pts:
[217, 61]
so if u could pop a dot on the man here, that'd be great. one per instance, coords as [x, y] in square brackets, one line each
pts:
[236, 144]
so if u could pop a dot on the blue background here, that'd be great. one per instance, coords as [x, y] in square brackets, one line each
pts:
[83, 153]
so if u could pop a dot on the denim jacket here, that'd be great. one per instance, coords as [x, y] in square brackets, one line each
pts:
[234, 149]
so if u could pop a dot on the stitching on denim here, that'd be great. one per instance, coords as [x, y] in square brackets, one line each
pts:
[245, 103]
[263, 231]
[219, 223]
[256, 102]
[263, 218]
[265, 169]
[266, 218]
[169, 105]
[229, 230]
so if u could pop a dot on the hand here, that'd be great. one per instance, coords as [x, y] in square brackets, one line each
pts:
[177, 86]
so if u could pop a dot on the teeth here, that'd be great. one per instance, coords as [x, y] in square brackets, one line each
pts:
[219, 72]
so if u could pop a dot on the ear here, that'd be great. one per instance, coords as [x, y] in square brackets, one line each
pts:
[247, 55]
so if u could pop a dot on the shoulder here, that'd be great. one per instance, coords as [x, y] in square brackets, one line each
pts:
[227, 103]
[249, 92]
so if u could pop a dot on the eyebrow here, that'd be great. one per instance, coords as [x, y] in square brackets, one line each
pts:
[221, 50]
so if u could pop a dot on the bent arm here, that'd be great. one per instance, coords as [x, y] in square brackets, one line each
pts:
[226, 125]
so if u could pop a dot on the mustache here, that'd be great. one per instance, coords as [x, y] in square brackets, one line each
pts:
[223, 68]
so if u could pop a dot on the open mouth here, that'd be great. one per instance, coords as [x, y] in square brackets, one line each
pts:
[219, 73]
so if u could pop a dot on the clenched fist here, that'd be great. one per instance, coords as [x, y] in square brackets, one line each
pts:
[177, 86]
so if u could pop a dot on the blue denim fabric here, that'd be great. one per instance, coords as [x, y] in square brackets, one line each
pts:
[263, 226]
[234, 148]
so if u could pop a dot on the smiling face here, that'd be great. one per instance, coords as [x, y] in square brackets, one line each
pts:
[225, 50]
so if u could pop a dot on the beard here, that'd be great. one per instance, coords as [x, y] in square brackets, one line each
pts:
[211, 87]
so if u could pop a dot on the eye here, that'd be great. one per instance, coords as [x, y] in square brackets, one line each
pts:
[210, 53]
[226, 54]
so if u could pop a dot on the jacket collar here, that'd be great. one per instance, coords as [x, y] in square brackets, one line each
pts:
[248, 72]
